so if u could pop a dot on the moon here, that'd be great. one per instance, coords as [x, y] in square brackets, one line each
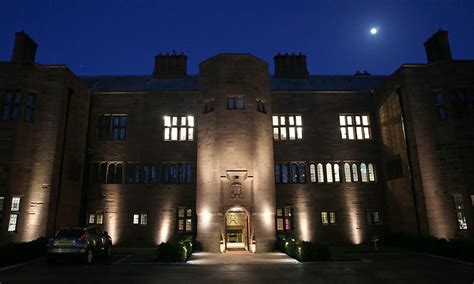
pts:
[374, 31]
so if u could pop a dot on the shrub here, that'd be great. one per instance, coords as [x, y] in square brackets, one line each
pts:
[301, 250]
[18, 252]
[175, 251]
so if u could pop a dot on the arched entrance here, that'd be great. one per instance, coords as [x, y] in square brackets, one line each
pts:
[237, 229]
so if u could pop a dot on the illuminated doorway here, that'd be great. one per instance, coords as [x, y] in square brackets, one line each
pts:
[236, 229]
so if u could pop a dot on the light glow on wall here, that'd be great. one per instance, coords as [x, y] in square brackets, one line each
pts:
[164, 232]
[351, 199]
[303, 223]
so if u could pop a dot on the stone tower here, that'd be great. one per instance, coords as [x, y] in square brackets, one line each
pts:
[235, 152]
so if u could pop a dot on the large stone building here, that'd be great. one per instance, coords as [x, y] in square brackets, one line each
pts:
[235, 155]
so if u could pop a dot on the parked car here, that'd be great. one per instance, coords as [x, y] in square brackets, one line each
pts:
[86, 243]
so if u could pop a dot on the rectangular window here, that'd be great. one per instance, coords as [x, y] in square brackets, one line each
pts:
[287, 127]
[12, 222]
[459, 212]
[112, 127]
[372, 217]
[355, 126]
[185, 219]
[209, 106]
[10, 105]
[261, 106]
[91, 219]
[440, 106]
[179, 128]
[99, 218]
[235, 103]
[140, 219]
[284, 219]
[328, 217]
[30, 107]
[15, 204]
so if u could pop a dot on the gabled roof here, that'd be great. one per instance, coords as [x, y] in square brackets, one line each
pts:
[191, 83]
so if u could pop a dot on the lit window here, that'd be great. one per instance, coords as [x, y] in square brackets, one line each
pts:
[15, 204]
[99, 218]
[371, 172]
[30, 107]
[312, 173]
[329, 177]
[354, 126]
[472, 201]
[12, 222]
[320, 172]
[289, 127]
[355, 176]
[179, 128]
[459, 211]
[284, 219]
[10, 105]
[337, 178]
[112, 127]
[347, 172]
[91, 219]
[235, 103]
[261, 106]
[363, 172]
[140, 219]
[185, 219]
[328, 217]
[372, 217]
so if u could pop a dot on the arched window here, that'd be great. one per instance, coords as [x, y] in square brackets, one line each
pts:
[312, 173]
[102, 172]
[119, 173]
[154, 173]
[320, 173]
[302, 173]
[294, 173]
[347, 172]
[136, 173]
[173, 173]
[277, 173]
[284, 173]
[328, 172]
[111, 173]
[146, 174]
[355, 176]
[371, 172]
[363, 172]
[189, 173]
[165, 177]
[182, 173]
[337, 178]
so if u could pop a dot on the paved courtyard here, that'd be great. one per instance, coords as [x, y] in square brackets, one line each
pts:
[240, 257]
[382, 268]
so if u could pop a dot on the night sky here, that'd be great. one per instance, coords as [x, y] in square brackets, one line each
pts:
[121, 37]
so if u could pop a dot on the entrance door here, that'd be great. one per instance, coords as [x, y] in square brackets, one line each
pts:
[236, 229]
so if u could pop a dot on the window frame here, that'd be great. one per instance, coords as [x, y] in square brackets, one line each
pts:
[327, 219]
[287, 124]
[174, 130]
[285, 219]
[345, 124]
[10, 109]
[185, 218]
[106, 127]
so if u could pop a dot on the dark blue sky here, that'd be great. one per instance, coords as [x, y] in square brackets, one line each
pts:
[121, 37]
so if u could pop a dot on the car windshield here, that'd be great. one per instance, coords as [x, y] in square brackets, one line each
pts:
[70, 233]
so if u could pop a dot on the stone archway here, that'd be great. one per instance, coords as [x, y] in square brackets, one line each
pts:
[236, 229]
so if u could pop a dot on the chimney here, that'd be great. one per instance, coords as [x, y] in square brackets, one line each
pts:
[437, 47]
[170, 65]
[290, 66]
[24, 51]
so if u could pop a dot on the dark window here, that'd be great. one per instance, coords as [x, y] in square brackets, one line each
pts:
[189, 173]
[302, 173]
[154, 173]
[441, 112]
[184, 219]
[111, 173]
[261, 106]
[164, 173]
[11, 105]
[277, 173]
[112, 127]
[294, 173]
[30, 107]
[173, 173]
[235, 103]
[284, 219]
[209, 106]
[372, 217]
[284, 173]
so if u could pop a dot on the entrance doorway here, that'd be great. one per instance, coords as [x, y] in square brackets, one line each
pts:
[236, 229]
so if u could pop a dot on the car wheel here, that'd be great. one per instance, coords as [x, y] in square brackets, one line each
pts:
[88, 257]
[108, 251]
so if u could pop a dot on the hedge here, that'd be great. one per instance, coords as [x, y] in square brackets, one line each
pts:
[303, 251]
[18, 252]
[175, 251]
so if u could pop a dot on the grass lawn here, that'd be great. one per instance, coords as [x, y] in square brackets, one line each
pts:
[351, 252]
[144, 254]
